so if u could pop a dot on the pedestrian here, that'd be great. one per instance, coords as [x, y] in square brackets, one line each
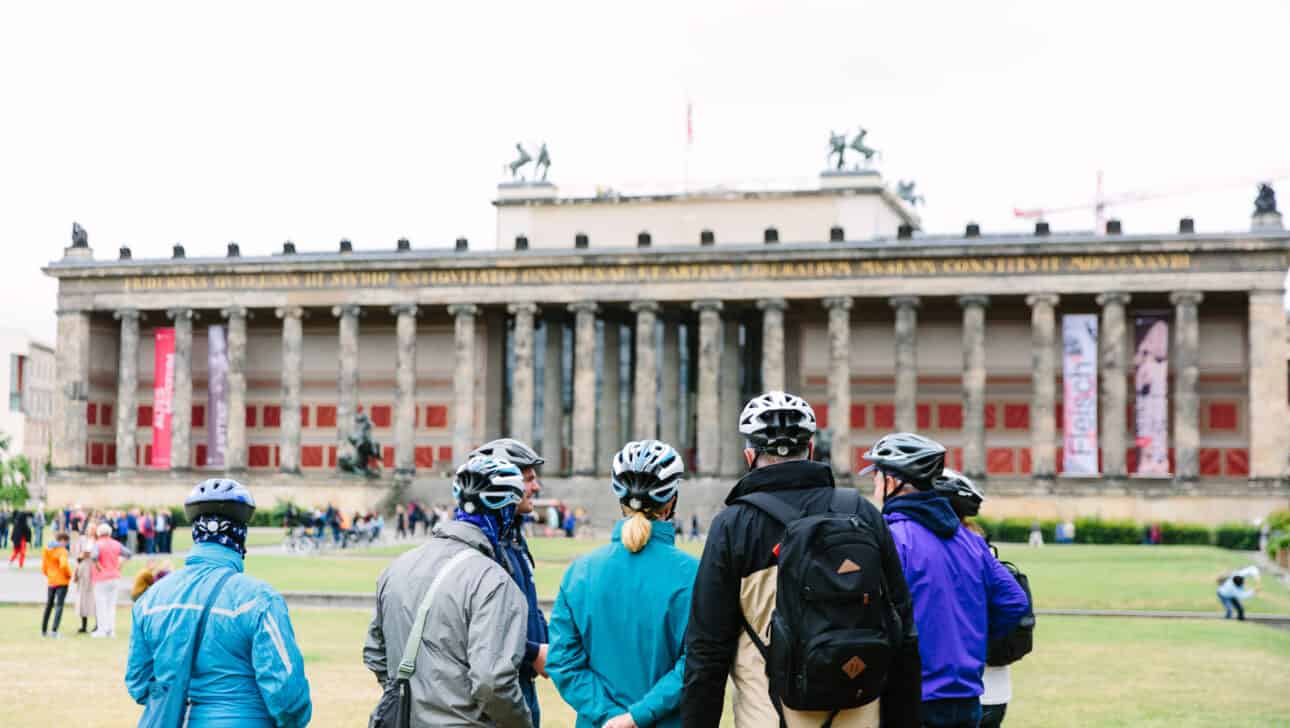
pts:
[123, 529]
[6, 515]
[1232, 592]
[963, 597]
[132, 530]
[107, 555]
[148, 533]
[1036, 534]
[401, 522]
[737, 592]
[520, 561]
[38, 525]
[454, 593]
[694, 527]
[606, 685]
[58, 574]
[84, 583]
[21, 536]
[164, 525]
[251, 673]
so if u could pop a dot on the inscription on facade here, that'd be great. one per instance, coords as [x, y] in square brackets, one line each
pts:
[665, 273]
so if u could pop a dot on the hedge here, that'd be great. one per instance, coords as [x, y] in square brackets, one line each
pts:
[1099, 531]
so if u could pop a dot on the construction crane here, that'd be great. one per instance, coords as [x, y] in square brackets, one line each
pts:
[1101, 202]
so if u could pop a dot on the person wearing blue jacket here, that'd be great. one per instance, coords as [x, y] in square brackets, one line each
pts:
[249, 672]
[963, 597]
[617, 651]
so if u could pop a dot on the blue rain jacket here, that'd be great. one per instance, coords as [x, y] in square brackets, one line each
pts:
[249, 670]
[962, 595]
[618, 631]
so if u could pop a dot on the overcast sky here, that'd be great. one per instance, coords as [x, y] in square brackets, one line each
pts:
[257, 122]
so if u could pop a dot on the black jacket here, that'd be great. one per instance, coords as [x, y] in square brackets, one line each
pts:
[741, 542]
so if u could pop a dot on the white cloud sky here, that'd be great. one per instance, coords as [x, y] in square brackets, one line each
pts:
[156, 123]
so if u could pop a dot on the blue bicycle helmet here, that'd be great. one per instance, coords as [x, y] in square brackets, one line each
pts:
[220, 497]
[487, 484]
[646, 474]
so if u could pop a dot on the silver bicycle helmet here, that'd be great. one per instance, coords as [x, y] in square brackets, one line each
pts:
[911, 458]
[221, 497]
[506, 448]
[487, 484]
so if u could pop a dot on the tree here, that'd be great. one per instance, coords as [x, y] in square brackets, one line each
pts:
[15, 474]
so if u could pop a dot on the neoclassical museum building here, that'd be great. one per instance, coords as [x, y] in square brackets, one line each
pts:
[1126, 375]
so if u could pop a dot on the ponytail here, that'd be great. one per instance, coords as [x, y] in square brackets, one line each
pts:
[636, 531]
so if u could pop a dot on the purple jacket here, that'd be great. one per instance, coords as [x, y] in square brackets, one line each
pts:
[962, 595]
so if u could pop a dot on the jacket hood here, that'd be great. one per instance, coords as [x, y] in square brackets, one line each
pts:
[927, 509]
[791, 475]
[467, 533]
[213, 554]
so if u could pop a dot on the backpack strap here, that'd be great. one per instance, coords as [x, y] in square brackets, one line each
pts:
[845, 500]
[774, 507]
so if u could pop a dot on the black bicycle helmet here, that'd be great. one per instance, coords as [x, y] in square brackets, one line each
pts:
[220, 497]
[777, 422]
[964, 497]
[506, 448]
[910, 458]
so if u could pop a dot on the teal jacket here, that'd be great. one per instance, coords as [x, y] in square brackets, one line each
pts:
[249, 670]
[618, 631]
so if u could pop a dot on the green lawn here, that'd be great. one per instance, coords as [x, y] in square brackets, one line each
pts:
[1084, 672]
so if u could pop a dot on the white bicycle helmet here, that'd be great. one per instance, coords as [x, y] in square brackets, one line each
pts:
[777, 422]
[646, 474]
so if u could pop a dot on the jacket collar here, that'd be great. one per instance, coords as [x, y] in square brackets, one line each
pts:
[663, 532]
[467, 533]
[212, 554]
[926, 508]
[791, 475]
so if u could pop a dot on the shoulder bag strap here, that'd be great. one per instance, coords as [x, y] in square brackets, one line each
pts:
[201, 629]
[408, 665]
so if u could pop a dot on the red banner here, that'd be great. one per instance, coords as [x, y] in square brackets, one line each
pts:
[163, 394]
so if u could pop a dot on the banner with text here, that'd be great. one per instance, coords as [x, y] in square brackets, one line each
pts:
[216, 403]
[163, 393]
[1151, 393]
[1079, 394]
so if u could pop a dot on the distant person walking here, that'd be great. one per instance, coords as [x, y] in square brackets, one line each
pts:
[1232, 592]
[107, 556]
[1036, 534]
[83, 580]
[38, 525]
[58, 574]
[21, 536]
[164, 525]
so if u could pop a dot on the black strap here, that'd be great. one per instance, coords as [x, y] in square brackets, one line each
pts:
[845, 500]
[201, 626]
[774, 507]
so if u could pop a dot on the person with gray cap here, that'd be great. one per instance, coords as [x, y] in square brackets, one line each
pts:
[963, 596]
[520, 563]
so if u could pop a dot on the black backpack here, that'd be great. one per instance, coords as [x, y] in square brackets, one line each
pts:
[1020, 641]
[833, 632]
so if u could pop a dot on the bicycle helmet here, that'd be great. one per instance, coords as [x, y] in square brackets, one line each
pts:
[506, 448]
[777, 422]
[220, 497]
[487, 484]
[964, 497]
[646, 474]
[910, 458]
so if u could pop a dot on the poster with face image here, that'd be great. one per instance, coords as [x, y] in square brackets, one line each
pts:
[1151, 393]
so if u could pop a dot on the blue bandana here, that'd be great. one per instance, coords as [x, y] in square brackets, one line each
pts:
[490, 523]
[224, 531]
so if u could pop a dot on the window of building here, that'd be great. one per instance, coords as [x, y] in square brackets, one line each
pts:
[16, 364]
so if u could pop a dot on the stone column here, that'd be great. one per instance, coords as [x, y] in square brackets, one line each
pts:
[181, 417]
[974, 384]
[235, 452]
[906, 362]
[1269, 436]
[772, 342]
[1185, 361]
[727, 421]
[127, 388]
[553, 395]
[610, 429]
[645, 389]
[1115, 383]
[584, 387]
[464, 383]
[347, 376]
[708, 436]
[1043, 403]
[840, 381]
[522, 378]
[669, 411]
[72, 373]
[405, 388]
[292, 373]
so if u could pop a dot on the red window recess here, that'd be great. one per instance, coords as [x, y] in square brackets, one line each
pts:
[326, 415]
[436, 415]
[884, 416]
[381, 415]
[272, 416]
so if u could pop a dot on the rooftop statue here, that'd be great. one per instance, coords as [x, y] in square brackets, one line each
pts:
[366, 450]
[838, 146]
[859, 145]
[80, 238]
[1266, 202]
[905, 191]
[520, 161]
[543, 162]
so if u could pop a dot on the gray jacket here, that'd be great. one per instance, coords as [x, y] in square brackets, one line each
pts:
[469, 665]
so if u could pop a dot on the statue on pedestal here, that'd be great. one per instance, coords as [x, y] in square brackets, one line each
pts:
[1266, 202]
[366, 450]
[838, 146]
[543, 162]
[520, 161]
[859, 145]
[80, 238]
[905, 191]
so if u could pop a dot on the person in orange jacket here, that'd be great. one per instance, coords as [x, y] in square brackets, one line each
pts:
[58, 573]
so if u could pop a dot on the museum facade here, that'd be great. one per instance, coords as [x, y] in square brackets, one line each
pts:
[1120, 375]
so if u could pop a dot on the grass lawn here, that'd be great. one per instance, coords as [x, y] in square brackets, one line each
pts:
[1084, 672]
